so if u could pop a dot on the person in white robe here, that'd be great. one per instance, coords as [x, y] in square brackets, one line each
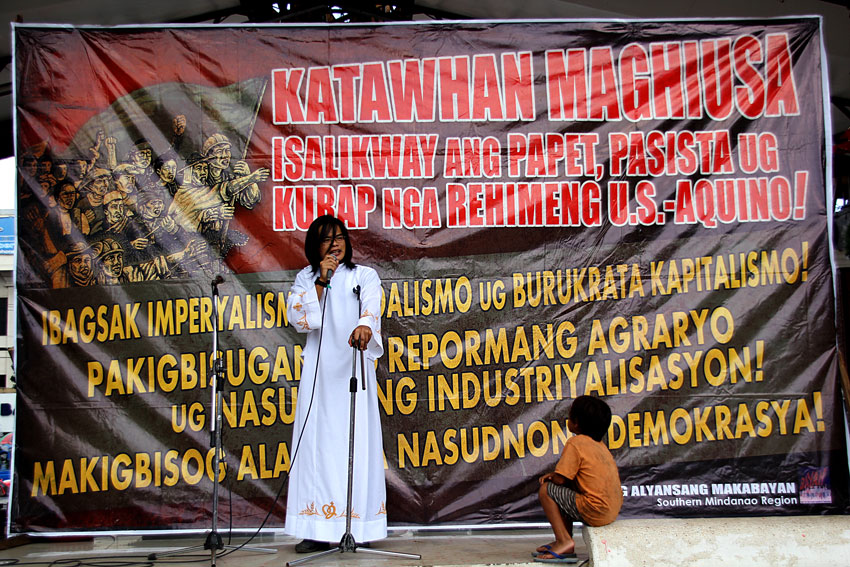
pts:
[338, 326]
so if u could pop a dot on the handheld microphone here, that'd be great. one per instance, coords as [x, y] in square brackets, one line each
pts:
[330, 272]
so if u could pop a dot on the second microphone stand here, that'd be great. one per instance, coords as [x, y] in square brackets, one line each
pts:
[347, 543]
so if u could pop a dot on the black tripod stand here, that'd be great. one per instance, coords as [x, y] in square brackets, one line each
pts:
[213, 542]
[347, 543]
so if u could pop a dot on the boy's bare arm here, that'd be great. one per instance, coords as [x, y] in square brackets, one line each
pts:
[557, 478]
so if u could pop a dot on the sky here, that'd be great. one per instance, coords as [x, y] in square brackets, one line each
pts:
[7, 183]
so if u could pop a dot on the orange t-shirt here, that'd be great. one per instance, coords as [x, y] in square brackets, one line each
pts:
[598, 492]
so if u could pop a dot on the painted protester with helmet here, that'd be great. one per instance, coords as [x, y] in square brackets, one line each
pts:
[124, 178]
[235, 184]
[197, 207]
[79, 267]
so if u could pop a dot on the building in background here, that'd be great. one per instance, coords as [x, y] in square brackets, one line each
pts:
[7, 320]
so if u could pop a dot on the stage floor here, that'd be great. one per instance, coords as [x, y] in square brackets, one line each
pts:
[442, 548]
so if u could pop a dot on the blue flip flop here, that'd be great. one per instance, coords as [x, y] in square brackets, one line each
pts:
[565, 558]
[547, 547]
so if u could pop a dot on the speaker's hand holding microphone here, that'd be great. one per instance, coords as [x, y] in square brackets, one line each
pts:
[327, 267]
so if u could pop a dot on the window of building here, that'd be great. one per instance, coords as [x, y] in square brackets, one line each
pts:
[4, 316]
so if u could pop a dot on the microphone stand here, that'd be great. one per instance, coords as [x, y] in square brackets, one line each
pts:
[347, 543]
[213, 540]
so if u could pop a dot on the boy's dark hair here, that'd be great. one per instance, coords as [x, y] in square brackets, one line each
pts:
[592, 415]
[321, 228]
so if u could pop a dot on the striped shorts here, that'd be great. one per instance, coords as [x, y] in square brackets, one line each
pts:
[565, 497]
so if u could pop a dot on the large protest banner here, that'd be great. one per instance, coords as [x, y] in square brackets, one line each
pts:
[634, 210]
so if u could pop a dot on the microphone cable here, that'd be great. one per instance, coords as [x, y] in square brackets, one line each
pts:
[294, 454]
[300, 437]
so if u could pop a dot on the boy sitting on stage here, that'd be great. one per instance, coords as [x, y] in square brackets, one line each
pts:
[585, 486]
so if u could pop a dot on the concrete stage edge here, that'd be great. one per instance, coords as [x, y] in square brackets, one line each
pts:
[795, 541]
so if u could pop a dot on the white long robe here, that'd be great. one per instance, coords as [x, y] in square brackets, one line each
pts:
[316, 502]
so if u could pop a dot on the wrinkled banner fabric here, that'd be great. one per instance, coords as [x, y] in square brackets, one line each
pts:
[629, 209]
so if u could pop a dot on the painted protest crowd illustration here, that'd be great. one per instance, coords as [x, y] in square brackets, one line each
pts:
[140, 213]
